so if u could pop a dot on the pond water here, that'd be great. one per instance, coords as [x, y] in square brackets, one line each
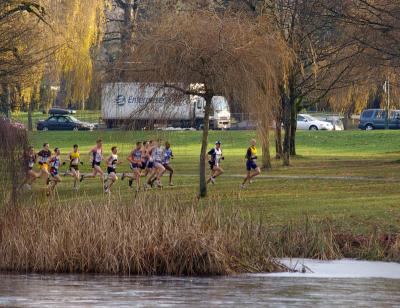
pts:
[343, 283]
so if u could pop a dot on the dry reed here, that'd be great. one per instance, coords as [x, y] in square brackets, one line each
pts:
[320, 239]
[14, 142]
[158, 234]
[149, 236]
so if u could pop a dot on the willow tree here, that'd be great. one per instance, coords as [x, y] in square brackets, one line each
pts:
[23, 50]
[79, 25]
[228, 54]
[45, 41]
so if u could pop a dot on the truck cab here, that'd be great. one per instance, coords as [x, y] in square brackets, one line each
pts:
[220, 116]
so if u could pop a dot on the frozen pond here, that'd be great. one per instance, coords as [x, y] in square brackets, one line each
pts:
[343, 283]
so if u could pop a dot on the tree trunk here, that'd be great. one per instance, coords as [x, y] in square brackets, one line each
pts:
[204, 144]
[287, 127]
[30, 109]
[128, 30]
[266, 155]
[264, 134]
[278, 138]
[6, 100]
[293, 128]
[347, 115]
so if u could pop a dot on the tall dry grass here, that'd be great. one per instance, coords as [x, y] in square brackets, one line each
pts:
[320, 239]
[13, 144]
[157, 234]
[149, 236]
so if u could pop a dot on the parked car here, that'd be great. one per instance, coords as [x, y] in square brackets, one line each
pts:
[376, 119]
[63, 122]
[243, 125]
[307, 122]
[335, 120]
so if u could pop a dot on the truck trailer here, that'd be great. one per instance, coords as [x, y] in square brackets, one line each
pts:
[147, 105]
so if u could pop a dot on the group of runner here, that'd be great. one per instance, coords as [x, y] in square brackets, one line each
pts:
[149, 159]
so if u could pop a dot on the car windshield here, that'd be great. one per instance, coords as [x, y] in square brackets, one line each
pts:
[309, 118]
[219, 103]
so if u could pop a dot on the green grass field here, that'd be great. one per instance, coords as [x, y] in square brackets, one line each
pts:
[357, 205]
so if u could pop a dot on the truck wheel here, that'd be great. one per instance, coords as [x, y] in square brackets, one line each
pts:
[369, 127]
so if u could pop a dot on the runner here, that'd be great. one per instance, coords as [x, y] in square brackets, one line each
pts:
[157, 154]
[96, 156]
[74, 161]
[135, 162]
[149, 163]
[166, 162]
[44, 157]
[54, 166]
[251, 156]
[214, 161]
[112, 162]
[30, 160]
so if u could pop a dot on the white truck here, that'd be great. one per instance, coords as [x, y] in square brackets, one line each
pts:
[147, 105]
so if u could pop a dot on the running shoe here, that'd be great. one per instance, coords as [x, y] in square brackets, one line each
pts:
[106, 190]
[212, 180]
[81, 178]
[242, 186]
[48, 181]
[123, 177]
[130, 183]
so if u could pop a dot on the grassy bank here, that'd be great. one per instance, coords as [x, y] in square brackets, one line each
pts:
[358, 206]
[315, 209]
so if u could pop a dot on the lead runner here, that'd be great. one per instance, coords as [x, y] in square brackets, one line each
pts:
[251, 158]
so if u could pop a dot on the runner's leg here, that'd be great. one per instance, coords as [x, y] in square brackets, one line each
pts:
[257, 171]
[171, 172]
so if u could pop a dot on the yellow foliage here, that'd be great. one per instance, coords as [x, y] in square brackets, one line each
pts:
[81, 33]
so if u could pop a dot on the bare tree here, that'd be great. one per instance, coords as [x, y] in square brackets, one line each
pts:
[372, 31]
[227, 53]
[324, 58]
